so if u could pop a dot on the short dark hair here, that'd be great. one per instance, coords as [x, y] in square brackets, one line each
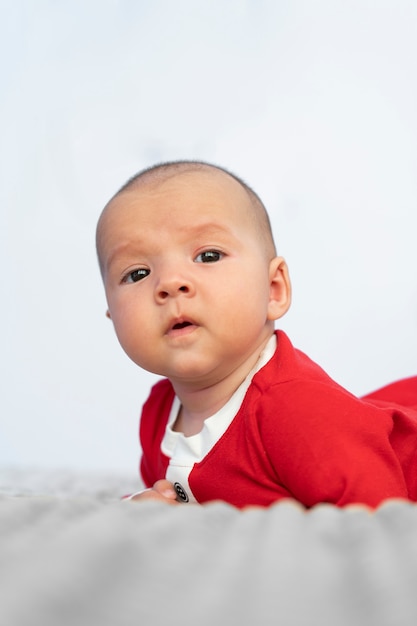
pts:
[166, 169]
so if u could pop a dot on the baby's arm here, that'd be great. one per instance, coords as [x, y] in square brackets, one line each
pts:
[162, 490]
[328, 446]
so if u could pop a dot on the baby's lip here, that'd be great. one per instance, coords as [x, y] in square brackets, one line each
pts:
[180, 323]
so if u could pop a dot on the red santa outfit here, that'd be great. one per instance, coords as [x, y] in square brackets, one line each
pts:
[289, 431]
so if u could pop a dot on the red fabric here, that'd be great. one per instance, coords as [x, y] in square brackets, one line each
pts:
[402, 392]
[298, 434]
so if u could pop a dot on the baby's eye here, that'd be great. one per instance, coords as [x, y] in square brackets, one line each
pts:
[209, 256]
[136, 275]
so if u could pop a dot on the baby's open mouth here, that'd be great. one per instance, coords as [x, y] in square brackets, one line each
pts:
[181, 325]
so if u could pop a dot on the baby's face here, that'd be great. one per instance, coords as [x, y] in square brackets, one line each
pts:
[186, 276]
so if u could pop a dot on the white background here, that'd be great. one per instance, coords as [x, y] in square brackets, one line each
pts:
[313, 103]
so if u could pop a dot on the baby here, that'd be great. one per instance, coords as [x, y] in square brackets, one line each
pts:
[194, 286]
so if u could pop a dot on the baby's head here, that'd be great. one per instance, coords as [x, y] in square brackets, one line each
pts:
[190, 269]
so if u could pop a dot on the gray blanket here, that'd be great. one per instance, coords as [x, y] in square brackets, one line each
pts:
[87, 558]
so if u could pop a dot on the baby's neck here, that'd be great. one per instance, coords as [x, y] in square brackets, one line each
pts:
[190, 419]
[200, 403]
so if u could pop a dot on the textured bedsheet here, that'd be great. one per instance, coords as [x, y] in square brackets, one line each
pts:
[71, 553]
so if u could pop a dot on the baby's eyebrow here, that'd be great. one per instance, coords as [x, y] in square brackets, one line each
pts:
[122, 248]
[208, 228]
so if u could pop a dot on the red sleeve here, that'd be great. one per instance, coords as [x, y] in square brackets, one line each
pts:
[153, 421]
[328, 446]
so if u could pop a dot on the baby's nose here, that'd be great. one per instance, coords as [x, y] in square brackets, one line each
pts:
[174, 287]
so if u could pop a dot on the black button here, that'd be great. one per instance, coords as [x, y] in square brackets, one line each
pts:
[181, 493]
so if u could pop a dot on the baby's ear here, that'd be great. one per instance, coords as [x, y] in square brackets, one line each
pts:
[108, 314]
[280, 289]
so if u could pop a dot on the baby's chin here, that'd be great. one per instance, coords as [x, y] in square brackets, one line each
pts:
[192, 377]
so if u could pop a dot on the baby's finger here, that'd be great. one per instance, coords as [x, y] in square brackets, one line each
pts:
[150, 494]
[166, 489]
[138, 495]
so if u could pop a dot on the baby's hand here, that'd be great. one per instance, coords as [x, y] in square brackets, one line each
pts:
[162, 490]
